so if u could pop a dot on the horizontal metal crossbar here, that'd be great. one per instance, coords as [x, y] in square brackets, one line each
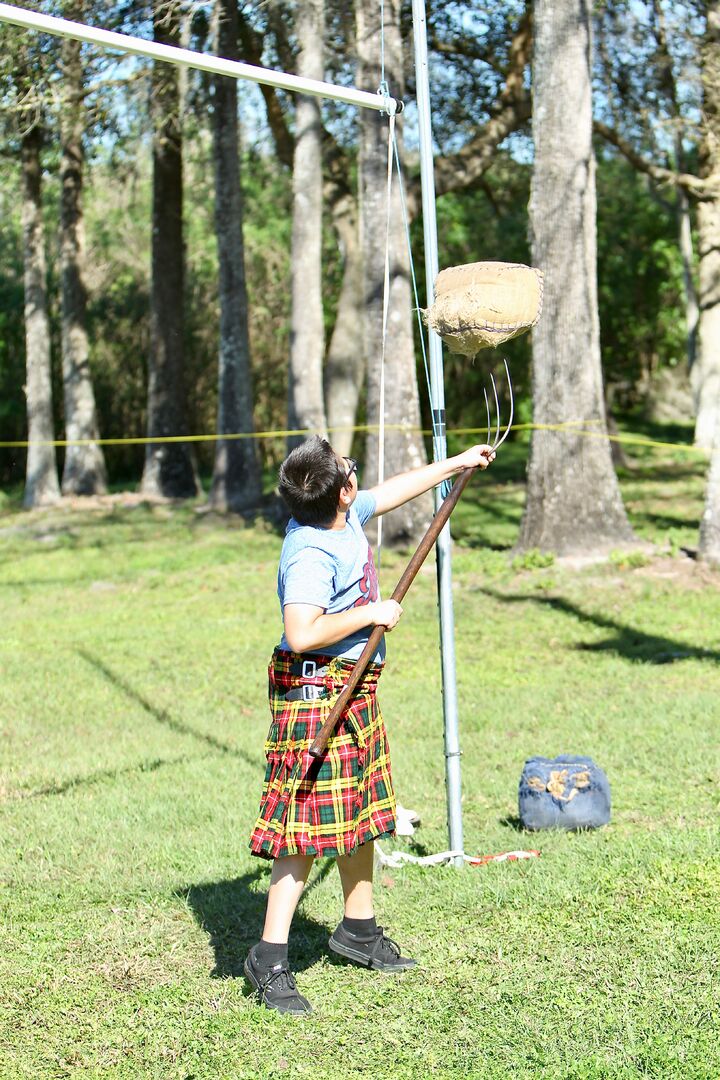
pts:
[216, 65]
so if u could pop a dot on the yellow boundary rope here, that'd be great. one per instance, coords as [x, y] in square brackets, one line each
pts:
[576, 427]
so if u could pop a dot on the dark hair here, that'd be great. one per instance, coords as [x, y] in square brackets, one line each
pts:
[310, 482]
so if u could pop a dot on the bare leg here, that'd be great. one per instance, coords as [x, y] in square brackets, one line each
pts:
[356, 875]
[287, 882]
[364, 944]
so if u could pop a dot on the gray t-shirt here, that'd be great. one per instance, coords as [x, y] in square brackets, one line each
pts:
[332, 569]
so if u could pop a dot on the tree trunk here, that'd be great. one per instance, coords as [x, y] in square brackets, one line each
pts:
[169, 467]
[707, 365]
[84, 471]
[709, 543]
[236, 483]
[573, 499]
[668, 82]
[707, 379]
[307, 334]
[345, 367]
[404, 449]
[692, 312]
[41, 479]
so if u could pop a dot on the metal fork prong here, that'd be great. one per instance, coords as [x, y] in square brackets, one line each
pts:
[512, 407]
[487, 410]
[497, 411]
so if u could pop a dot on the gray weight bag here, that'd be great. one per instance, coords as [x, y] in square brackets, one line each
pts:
[566, 792]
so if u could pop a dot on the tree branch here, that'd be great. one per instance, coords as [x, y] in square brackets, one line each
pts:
[336, 185]
[468, 50]
[702, 190]
[251, 43]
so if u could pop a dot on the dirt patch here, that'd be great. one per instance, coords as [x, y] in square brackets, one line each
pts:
[682, 569]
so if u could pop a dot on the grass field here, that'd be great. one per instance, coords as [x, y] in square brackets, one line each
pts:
[132, 716]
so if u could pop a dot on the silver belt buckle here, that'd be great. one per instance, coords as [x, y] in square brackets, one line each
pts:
[309, 667]
[309, 692]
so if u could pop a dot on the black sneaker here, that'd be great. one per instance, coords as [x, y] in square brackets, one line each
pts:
[276, 987]
[379, 953]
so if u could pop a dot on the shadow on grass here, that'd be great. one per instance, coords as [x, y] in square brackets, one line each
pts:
[162, 716]
[232, 912]
[663, 521]
[270, 511]
[472, 541]
[479, 517]
[627, 641]
[650, 473]
[106, 774]
[660, 430]
[512, 822]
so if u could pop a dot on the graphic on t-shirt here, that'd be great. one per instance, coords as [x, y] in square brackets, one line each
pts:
[368, 584]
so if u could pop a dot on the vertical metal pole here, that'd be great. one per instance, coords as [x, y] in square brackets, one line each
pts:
[437, 391]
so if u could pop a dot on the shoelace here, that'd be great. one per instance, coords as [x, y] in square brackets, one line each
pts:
[283, 977]
[385, 944]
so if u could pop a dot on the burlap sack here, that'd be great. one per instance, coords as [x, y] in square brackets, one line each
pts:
[566, 792]
[484, 304]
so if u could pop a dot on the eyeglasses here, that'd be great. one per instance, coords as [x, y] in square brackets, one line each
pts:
[353, 469]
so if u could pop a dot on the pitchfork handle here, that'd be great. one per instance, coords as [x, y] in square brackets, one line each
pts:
[421, 552]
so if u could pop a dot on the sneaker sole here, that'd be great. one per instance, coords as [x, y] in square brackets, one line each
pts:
[274, 1008]
[360, 958]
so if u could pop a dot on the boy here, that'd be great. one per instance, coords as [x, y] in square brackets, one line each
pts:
[340, 803]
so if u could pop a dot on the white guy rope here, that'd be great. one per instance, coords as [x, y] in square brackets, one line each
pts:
[216, 65]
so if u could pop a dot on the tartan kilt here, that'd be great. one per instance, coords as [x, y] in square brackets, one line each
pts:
[332, 804]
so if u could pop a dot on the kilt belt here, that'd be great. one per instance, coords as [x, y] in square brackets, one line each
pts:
[308, 669]
[331, 805]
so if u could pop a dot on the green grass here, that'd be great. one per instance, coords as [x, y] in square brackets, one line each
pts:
[132, 716]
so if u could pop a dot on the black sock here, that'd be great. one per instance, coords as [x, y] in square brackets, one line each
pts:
[269, 953]
[365, 929]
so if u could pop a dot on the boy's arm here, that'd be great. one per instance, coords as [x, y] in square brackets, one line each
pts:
[309, 628]
[400, 489]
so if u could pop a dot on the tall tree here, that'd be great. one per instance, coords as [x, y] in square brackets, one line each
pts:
[307, 334]
[404, 448]
[643, 94]
[709, 542]
[41, 477]
[84, 470]
[573, 499]
[693, 50]
[169, 467]
[500, 109]
[345, 364]
[236, 483]
[669, 86]
[709, 230]
[344, 371]
[708, 415]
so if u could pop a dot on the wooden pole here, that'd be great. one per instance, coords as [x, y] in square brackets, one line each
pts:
[320, 741]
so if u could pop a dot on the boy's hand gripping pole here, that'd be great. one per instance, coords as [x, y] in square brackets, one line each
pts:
[436, 526]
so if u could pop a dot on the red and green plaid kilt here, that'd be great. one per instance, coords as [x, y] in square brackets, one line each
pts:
[332, 804]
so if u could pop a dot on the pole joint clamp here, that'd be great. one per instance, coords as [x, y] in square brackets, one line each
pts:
[392, 106]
